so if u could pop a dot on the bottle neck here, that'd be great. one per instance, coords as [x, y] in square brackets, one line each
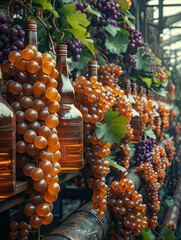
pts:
[127, 86]
[62, 65]
[134, 89]
[30, 33]
[92, 68]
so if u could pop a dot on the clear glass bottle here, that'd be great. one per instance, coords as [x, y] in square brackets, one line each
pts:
[70, 128]
[135, 120]
[7, 147]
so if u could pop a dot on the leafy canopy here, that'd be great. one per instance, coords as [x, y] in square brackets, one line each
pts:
[78, 23]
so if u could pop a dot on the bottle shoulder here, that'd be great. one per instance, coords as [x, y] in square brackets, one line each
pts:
[6, 113]
[69, 111]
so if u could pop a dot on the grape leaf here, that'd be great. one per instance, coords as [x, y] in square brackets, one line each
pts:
[158, 60]
[83, 62]
[89, 9]
[126, 20]
[113, 130]
[129, 15]
[160, 91]
[147, 234]
[114, 163]
[133, 149]
[147, 80]
[78, 22]
[168, 235]
[111, 29]
[149, 132]
[47, 5]
[118, 44]
[169, 201]
[143, 63]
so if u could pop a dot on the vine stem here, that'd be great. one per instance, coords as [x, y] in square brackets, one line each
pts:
[44, 24]
[39, 235]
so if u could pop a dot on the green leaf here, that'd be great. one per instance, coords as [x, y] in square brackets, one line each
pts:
[165, 84]
[123, 4]
[156, 81]
[133, 149]
[111, 29]
[134, 79]
[168, 73]
[89, 9]
[78, 22]
[129, 15]
[118, 44]
[169, 201]
[160, 91]
[147, 80]
[83, 62]
[143, 63]
[149, 132]
[47, 5]
[113, 130]
[114, 163]
[126, 20]
[168, 235]
[147, 234]
[158, 60]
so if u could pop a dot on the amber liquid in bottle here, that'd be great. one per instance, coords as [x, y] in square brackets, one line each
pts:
[7, 148]
[135, 120]
[70, 127]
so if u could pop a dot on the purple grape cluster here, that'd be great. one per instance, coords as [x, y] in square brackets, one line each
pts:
[144, 150]
[11, 37]
[81, 6]
[18, 6]
[135, 43]
[109, 12]
[75, 49]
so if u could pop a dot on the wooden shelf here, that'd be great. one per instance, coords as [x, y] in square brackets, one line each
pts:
[22, 186]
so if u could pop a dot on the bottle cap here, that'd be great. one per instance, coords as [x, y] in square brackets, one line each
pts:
[31, 25]
[61, 50]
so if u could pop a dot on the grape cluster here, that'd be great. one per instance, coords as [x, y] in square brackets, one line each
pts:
[35, 101]
[109, 12]
[19, 230]
[135, 43]
[109, 76]
[81, 6]
[92, 99]
[151, 187]
[11, 37]
[144, 150]
[75, 49]
[170, 149]
[123, 159]
[160, 163]
[164, 112]
[128, 209]
[18, 6]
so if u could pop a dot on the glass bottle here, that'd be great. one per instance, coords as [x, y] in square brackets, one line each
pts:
[135, 119]
[7, 147]
[30, 33]
[70, 127]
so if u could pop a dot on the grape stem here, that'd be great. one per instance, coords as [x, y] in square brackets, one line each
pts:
[39, 235]
[44, 24]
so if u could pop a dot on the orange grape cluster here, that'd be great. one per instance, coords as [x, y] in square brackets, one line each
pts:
[151, 187]
[170, 149]
[128, 208]
[35, 101]
[19, 230]
[160, 163]
[161, 75]
[109, 76]
[94, 100]
[164, 114]
[123, 159]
